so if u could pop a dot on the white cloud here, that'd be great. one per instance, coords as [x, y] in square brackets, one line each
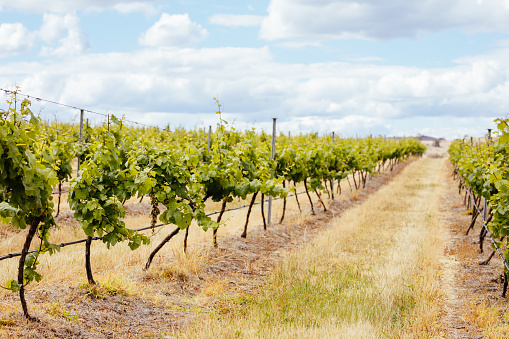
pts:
[136, 7]
[63, 34]
[15, 39]
[299, 44]
[235, 20]
[374, 19]
[54, 27]
[66, 6]
[176, 86]
[173, 30]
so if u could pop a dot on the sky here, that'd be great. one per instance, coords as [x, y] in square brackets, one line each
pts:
[356, 68]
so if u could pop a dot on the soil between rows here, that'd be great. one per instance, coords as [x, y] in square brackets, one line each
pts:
[466, 284]
[171, 299]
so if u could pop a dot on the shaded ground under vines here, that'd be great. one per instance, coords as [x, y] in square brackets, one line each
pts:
[168, 297]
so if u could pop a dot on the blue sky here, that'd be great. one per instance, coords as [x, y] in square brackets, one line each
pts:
[354, 67]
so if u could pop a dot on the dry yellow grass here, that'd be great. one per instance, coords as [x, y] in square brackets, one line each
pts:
[491, 319]
[374, 274]
[119, 272]
[119, 268]
[68, 265]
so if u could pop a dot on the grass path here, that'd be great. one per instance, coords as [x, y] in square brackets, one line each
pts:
[373, 274]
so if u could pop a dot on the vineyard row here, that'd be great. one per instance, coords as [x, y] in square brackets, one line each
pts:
[175, 169]
[482, 171]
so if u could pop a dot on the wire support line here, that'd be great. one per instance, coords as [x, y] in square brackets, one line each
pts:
[7, 91]
[256, 203]
[140, 123]
[12, 255]
[62, 192]
[486, 227]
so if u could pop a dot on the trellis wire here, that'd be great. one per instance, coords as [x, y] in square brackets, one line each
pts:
[72, 107]
[12, 255]
[486, 227]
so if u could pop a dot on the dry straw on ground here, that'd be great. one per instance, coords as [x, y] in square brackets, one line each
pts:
[373, 274]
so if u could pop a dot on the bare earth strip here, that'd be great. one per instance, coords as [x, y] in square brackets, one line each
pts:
[472, 304]
[177, 289]
[375, 273]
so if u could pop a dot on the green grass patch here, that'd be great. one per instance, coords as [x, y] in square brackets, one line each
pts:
[307, 299]
[55, 309]
[112, 286]
[7, 323]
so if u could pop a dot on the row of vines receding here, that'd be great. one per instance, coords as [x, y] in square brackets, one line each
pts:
[481, 167]
[177, 171]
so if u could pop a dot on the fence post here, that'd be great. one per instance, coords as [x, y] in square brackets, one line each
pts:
[485, 208]
[80, 140]
[208, 142]
[272, 155]
[332, 180]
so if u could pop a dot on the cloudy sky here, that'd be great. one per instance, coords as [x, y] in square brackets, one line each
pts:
[393, 67]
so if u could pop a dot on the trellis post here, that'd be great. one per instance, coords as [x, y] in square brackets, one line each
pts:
[272, 155]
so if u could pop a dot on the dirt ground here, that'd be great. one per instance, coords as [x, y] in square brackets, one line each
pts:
[472, 307]
[165, 299]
